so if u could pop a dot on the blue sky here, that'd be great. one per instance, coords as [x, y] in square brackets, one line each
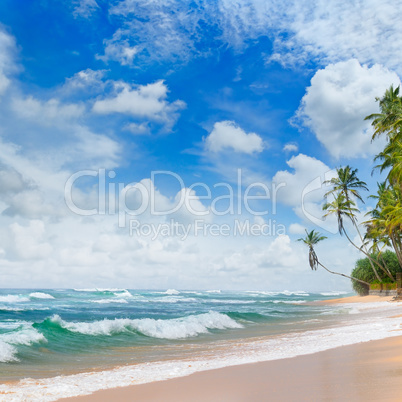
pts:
[201, 89]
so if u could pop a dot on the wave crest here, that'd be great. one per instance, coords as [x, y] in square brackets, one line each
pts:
[176, 328]
[40, 295]
[13, 299]
[8, 341]
[172, 292]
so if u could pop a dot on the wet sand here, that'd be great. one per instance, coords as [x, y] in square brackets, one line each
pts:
[370, 371]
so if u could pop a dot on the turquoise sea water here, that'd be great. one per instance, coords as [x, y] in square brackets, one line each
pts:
[44, 333]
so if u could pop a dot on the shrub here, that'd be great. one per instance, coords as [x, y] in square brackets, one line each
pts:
[364, 272]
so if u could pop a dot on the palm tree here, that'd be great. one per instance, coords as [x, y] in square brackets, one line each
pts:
[341, 208]
[389, 119]
[347, 183]
[311, 239]
[391, 158]
[386, 218]
[375, 238]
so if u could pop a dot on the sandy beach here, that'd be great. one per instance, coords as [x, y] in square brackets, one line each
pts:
[363, 371]
[357, 299]
[369, 371]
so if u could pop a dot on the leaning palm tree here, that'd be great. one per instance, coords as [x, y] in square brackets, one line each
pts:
[346, 185]
[374, 239]
[311, 239]
[341, 208]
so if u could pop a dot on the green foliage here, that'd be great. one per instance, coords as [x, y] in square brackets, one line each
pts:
[364, 271]
[385, 280]
[383, 286]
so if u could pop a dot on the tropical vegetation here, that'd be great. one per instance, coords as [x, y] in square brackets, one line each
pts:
[382, 229]
[311, 239]
[364, 272]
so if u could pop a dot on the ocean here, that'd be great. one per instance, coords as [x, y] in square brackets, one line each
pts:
[58, 342]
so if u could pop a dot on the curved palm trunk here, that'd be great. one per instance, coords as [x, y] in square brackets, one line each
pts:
[385, 266]
[397, 247]
[346, 276]
[361, 239]
[366, 253]
[370, 259]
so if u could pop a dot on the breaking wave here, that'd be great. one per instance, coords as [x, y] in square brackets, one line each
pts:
[13, 299]
[172, 292]
[40, 295]
[176, 328]
[9, 341]
[105, 301]
[334, 293]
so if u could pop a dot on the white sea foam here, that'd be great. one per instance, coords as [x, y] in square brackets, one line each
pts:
[85, 290]
[297, 293]
[287, 301]
[7, 352]
[193, 292]
[223, 301]
[355, 308]
[172, 292]
[14, 324]
[24, 336]
[100, 290]
[333, 293]
[262, 293]
[40, 295]
[13, 299]
[213, 291]
[177, 328]
[123, 293]
[7, 308]
[274, 348]
[172, 299]
[106, 301]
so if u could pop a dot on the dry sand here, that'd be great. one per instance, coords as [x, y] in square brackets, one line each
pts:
[369, 371]
[357, 299]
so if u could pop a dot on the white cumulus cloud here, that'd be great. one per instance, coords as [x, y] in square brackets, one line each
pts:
[303, 190]
[145, 101]
[228, 135]
[337, 101]
[291, 147]
[305, 169]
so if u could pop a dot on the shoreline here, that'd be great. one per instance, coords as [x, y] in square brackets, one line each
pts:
[366, 371]
[241, 355]
[241, 382]
[356, 299]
